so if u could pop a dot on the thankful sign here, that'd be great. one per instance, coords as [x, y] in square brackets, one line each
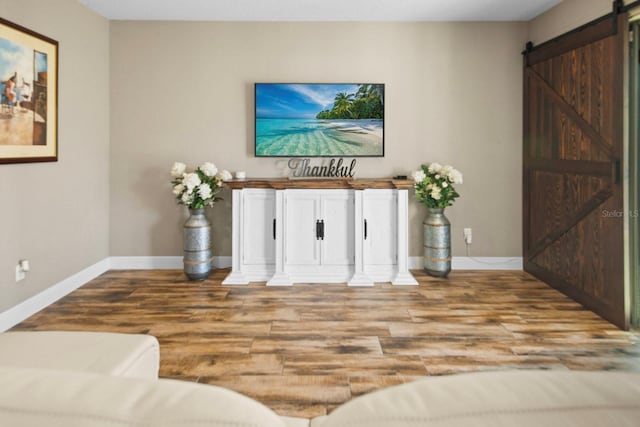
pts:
[336, 168]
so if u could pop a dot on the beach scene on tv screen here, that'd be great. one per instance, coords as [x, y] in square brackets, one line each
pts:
[319, 119]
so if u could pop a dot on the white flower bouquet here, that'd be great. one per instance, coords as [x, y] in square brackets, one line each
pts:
[434, 185]
[197, 189]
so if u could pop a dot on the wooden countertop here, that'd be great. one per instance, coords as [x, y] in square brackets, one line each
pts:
[317, 183]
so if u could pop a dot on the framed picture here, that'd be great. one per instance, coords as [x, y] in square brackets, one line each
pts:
[319, 120]
[29, 95]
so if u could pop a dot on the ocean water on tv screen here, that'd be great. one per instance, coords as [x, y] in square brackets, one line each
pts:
[313, 137]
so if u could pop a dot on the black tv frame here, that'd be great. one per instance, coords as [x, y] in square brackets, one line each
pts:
[255, 120]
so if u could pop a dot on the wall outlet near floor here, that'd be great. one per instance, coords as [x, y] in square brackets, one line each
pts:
[468, 237]
[21, 269]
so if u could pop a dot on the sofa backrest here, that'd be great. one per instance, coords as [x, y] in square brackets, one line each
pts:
[516, 398]
[32, 397]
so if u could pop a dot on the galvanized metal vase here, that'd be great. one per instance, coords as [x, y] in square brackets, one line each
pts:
[437, 243]
[197, 245]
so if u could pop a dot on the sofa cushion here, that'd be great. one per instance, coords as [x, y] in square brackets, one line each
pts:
[35, 397]
[106, 353]
[295, 422]
[516, 398]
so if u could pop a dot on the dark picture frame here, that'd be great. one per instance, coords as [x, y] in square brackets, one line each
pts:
[28, 95]
[319, 119]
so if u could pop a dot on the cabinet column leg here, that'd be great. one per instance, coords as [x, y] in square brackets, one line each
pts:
[403, 276]
[280, 277]
[236, 277]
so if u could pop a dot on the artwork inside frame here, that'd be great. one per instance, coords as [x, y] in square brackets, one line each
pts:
[319, 120]
[28, 95]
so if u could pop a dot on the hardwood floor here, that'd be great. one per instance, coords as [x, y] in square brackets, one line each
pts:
[306, 349]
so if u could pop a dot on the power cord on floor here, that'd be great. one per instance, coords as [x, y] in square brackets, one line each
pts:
[468, 251]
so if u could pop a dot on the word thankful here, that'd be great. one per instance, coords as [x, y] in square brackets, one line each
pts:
[302, 168]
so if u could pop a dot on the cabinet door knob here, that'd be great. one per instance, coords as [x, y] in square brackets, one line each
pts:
[322, 229]
[317, 229]
[365, 229]
[274, 229]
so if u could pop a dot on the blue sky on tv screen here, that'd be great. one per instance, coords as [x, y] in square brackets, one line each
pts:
[296, 101]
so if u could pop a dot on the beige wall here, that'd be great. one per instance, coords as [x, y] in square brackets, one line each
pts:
[566, 16]
[184, 91]
[56, 214]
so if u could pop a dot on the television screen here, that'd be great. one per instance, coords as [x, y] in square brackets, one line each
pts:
[319, 120]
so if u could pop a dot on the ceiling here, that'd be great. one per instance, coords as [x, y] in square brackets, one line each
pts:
[321, 10]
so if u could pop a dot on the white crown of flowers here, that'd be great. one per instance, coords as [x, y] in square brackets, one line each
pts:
[434, 185]
[197, 189]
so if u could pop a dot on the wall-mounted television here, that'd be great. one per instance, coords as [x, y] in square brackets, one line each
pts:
[319, 120]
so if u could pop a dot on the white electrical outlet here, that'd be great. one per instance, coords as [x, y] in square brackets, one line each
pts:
[20, 273]
[21, 269]
[468, 236]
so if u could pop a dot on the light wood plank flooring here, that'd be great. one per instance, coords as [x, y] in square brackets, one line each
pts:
[306, 349]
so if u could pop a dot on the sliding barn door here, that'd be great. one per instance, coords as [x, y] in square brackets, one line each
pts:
[573, 131]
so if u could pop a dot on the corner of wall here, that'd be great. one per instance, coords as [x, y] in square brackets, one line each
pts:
[567, 15]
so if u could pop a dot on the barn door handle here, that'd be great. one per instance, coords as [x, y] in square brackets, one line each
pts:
[274, 229]
[365, 229]
[616, 172]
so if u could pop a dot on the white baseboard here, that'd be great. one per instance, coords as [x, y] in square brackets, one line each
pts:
[475, 263]
[159, 262]
[415, 263]
[486, 263]
[222, 261]
[146, 262]
[34, 304]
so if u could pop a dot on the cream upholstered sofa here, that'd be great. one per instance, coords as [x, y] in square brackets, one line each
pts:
[125, 355]
[105, 393]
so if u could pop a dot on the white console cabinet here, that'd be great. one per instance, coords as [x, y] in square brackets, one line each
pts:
[319, 231]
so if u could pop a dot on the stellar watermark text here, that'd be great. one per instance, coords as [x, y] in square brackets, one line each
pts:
[619, 214]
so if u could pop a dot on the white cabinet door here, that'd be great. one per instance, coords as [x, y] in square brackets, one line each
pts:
[380, 210]
[258, 241]
[337, 209]
[302, 213]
